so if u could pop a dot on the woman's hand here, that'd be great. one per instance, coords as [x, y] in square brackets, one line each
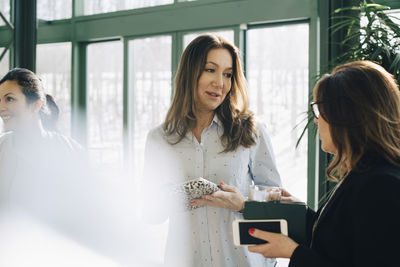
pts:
[278, 246]
[287, 197]
[229, 197]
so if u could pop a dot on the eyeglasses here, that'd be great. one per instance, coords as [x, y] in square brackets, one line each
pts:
[314, 109]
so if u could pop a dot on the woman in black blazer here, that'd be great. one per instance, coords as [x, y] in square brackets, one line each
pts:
[357, 110]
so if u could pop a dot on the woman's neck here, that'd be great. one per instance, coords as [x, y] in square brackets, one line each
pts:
[203, 120]
[30, 133]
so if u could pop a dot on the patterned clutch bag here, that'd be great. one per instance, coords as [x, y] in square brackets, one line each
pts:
[195, 188]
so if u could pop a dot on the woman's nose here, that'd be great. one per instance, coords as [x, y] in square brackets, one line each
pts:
[219, 81]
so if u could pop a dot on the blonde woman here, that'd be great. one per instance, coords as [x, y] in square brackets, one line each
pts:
[209, 132]
[357, 110]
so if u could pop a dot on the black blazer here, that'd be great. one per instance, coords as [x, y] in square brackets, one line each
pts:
[360, 225]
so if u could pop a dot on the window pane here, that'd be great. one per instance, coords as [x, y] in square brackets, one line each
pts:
[277, 72]
[4, 67]
[5, 9]
[227, 34]
[104, 6]
[104, 105]
[52, 10]
[53, 65]
[149, 100]
[149, 90]
[4, 62]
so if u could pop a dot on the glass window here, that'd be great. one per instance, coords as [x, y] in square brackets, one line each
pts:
[227, 34]
[104, 6]
[4, 67]
[277, 73]
[53, 10]
[5, 10]
[4, 62]
[53, 65]
[149, 100]
[105, 105]
[149, 89]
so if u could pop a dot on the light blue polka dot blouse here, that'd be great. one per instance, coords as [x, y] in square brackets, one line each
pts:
[203, 236]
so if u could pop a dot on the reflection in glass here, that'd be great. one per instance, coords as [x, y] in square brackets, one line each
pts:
[105, 104]
[53, 10]
[277, 72]
[105, 6]
[53, 65]
[149, 89]
[227, 34]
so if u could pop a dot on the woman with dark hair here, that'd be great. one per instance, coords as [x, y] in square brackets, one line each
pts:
[45, 180]
[34, 158]
[208, 132]
[357, 110]
[25, 82]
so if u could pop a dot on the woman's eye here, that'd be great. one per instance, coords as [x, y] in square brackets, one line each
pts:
[10, 99]
[228, 75]
[209, 70]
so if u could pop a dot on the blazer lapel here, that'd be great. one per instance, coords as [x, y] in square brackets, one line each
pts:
[331, 203]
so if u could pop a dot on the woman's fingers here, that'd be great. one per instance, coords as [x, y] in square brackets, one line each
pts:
[278, 246]
[206, 200]
[226, 187]
[228, 197]
[262, 249]
[220, 195]
[286, 199]
[198, 202]
[264, 235]
[285, 193]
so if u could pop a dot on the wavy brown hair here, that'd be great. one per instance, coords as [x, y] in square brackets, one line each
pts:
[361, 102]
[238, 122]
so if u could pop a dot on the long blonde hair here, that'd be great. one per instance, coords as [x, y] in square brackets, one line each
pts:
[361, 102]
[238, 121]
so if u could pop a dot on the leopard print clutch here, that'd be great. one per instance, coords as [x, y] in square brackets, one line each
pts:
[195, 188]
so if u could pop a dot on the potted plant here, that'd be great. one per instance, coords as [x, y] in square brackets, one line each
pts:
[370, 33]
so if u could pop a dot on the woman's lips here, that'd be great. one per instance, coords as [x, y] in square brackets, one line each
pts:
[213, 94]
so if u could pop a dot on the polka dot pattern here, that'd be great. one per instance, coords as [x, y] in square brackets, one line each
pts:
[211, 238]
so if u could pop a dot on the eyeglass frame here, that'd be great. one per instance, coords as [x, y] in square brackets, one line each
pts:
[316, 112]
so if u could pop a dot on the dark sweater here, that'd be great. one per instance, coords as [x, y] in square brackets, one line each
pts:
[360, 225]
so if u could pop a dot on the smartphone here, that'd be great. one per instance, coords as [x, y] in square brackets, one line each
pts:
[241, 236]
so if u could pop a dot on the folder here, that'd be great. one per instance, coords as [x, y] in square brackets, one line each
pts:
[293, 213]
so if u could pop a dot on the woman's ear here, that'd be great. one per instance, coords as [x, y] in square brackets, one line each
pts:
[37, 105]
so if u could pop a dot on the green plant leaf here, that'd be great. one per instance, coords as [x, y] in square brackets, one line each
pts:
[341, 17]
[395, 66]
[395, 27]
[308, 125]
[339, 26]
[377, 7]
[349, 8]
[377, 40]
[377, 52]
